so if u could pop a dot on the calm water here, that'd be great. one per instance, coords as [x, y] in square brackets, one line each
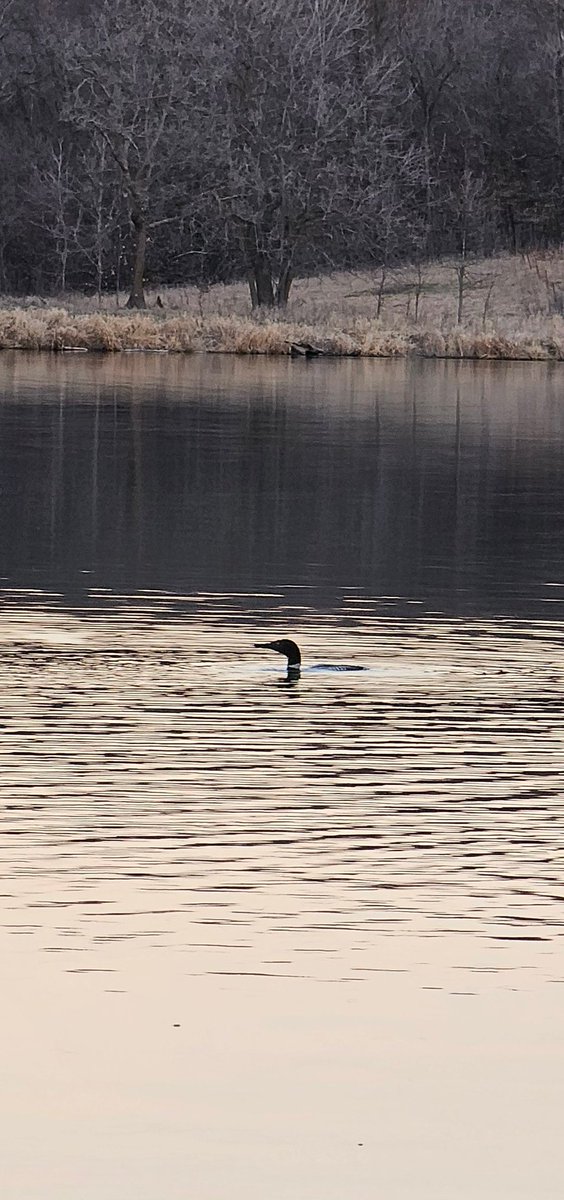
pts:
[303, 943]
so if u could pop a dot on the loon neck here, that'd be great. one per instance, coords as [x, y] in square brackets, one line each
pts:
[284, 646]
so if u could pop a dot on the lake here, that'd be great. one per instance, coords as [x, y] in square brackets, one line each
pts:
[305, 941]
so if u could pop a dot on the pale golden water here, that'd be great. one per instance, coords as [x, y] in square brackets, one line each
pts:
[262, 940]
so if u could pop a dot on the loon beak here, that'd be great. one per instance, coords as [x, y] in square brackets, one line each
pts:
[264, 646]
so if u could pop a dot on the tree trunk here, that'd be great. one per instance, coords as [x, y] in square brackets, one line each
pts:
[253, 289]
[428, 183]
[64, 261]
[380, 293]
[460, 275]
[137, 295]
[284, 285]
[510, 212]
[260, 283]
[264, 292]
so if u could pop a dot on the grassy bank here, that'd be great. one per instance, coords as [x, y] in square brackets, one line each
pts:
[509, 308]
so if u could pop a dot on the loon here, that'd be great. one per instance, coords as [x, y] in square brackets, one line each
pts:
[284, 646]
[292, 652]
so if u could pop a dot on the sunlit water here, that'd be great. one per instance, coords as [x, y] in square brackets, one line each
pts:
[263, 939]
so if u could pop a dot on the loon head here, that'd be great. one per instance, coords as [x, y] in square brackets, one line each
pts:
[284, 646]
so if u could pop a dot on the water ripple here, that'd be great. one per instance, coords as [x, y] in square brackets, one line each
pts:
[153, 790]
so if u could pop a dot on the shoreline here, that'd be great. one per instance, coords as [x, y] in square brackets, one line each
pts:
[510, 309]
[59, 331]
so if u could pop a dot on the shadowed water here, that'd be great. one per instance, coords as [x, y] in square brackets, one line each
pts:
[267, 939]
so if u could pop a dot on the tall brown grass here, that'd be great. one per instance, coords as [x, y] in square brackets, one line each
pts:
[513, 308]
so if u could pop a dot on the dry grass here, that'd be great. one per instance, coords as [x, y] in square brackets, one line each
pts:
[513, 308]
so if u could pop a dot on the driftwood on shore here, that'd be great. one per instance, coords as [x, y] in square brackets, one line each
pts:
[305, 350]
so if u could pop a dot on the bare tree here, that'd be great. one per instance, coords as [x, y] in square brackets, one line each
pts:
[432, 40]
[102, 207]
[337, 133]
[292, 120]
[469, 209]
[58, 208]
[130, 72]
[545, 71]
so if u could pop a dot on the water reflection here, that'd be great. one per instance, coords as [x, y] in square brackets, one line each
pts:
[435, 482]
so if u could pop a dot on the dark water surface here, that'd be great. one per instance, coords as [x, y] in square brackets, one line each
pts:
[258, 940]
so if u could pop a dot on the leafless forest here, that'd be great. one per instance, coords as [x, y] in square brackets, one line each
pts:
[194, 141]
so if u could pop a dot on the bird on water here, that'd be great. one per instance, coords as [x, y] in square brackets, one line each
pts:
[287, 647]
[292, 652]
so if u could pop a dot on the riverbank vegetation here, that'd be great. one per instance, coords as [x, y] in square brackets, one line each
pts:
[154, 144]
[505, 307]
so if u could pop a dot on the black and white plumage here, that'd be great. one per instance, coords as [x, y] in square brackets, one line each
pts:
[292, 652]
